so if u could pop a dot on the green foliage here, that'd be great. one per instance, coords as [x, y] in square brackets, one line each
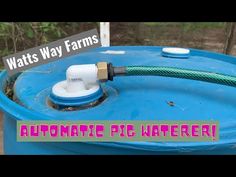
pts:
[19, 36]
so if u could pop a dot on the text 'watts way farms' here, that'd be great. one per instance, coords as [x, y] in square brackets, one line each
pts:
[56, 50]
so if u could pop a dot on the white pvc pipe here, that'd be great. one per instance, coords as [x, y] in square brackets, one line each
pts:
[105, 34]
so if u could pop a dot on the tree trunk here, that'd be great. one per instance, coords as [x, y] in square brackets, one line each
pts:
[137, 33]
[230, 37]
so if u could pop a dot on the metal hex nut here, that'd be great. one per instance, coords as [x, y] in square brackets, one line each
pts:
[102, 71]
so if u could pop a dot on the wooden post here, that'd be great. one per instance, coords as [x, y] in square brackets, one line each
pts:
[230, 37]
[105, 34]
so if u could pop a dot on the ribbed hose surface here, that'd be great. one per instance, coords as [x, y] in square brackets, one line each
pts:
[181, 73]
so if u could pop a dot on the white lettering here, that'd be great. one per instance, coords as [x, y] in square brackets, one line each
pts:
[87, 41]
[11, 63]
[45, 53]
[67, 45]
[95, 39]
[20, 62]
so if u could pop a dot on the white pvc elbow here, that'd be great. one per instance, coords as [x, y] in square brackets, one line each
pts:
[81, 80]
[80, 77]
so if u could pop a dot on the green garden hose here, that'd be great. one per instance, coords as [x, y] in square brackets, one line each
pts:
[206, 76]
[181, 73]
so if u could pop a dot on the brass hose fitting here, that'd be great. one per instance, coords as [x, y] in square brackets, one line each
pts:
[102, 71]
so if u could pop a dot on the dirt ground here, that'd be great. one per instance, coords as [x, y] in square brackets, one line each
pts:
[1, 134]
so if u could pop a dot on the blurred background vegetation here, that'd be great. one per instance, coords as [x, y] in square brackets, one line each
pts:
[214, 36]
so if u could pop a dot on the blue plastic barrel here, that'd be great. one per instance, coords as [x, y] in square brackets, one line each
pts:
[129, 98]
